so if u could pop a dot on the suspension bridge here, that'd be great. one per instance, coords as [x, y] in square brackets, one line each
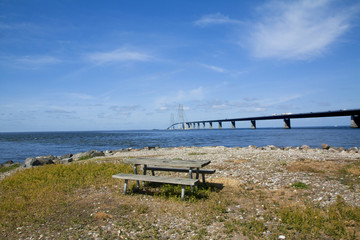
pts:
[354, 115]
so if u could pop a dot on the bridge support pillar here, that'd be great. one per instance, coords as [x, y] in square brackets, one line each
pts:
[203, 125]
[253, 124]
[233, 125]
[210, 125]
[287, 124]
[198, 125]
[193, 126]
[355, 121]
[220, 125]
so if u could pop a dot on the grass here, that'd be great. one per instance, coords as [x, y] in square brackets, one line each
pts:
[81, 200]
[196, 154]
[9, 168]
[300, 185]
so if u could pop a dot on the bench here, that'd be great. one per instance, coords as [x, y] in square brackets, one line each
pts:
[159, 179]
[201, 171]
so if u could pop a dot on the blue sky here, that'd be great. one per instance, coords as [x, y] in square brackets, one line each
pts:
[118, 65]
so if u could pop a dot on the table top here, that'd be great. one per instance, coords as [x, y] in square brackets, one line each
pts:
[168, 162]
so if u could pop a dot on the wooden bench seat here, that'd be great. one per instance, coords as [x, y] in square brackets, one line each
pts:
[159, 179]
[201, 171]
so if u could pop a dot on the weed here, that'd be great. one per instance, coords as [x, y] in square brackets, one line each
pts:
[196, 154]
[84, 158]
[9, 168]
[300, 185]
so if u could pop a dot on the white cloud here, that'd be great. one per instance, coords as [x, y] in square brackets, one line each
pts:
[298, 29]
[36, 61]
[118, 55]
[216, 18]
[125, 110]
[214, 68]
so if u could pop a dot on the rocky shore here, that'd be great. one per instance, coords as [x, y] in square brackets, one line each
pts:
[270, 167]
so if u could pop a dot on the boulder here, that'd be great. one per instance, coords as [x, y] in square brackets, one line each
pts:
[65, 160]
[271, 147]
[305, 147]
[325, 146]
[66, 156]
[40, 160]
[353, 150]
[91, 153]
[7, 163]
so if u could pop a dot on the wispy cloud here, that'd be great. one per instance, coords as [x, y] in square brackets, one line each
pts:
[30, 62]
[298, 29]
[214, 68]
[125, 110]
[215, 19]
[118, 55]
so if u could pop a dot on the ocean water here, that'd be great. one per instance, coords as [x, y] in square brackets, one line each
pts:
[19, 146]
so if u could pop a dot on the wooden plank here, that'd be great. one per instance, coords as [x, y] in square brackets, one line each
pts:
[205, 171]
[168, 162]
[159, 179]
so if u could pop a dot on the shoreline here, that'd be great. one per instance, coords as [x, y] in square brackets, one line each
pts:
[270, 167]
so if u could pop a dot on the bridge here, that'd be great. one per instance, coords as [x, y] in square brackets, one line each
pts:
[286, 117]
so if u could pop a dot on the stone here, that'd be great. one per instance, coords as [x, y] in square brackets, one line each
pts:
[325, 146]
[7, 163]
[66, 156]
[40, 160]
[353, 149]
[305, 147]
[65, 160]
[91, 153]
[271, 147]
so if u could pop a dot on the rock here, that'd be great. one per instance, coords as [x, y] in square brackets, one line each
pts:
[66, 156]
[7, 163]
[91, 153]
[305, 147]
[325, 146]
[271, 147]
[65, 160]
[40, 160]
[353, 150]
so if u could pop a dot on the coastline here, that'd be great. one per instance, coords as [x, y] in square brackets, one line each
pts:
[255, 193]
[267, 167]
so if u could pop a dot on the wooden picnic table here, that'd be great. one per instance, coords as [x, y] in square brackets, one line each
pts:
[170, 163]
[155, 164]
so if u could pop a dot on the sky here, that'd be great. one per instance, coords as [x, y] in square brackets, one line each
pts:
[124, 65]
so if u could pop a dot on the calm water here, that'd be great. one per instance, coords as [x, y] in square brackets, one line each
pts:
[19, 146]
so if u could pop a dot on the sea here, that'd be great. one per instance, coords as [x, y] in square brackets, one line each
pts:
[17, 146]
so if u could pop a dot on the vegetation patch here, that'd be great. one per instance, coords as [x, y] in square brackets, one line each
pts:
[9, 168]
[196, 154]
[300, 185]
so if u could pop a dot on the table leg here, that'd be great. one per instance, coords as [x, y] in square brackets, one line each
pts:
[135, 171]
[197, 173]
[183, 192]
[145, 168]
[125, 186]
[190, 175]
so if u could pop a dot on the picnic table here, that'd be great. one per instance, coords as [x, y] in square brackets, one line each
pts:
[171, 165]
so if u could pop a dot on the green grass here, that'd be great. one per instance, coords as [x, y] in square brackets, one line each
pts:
[313, 222]
[32, 195]
[195, 154]
[9, 168]
[300, 185]
[84, 158]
